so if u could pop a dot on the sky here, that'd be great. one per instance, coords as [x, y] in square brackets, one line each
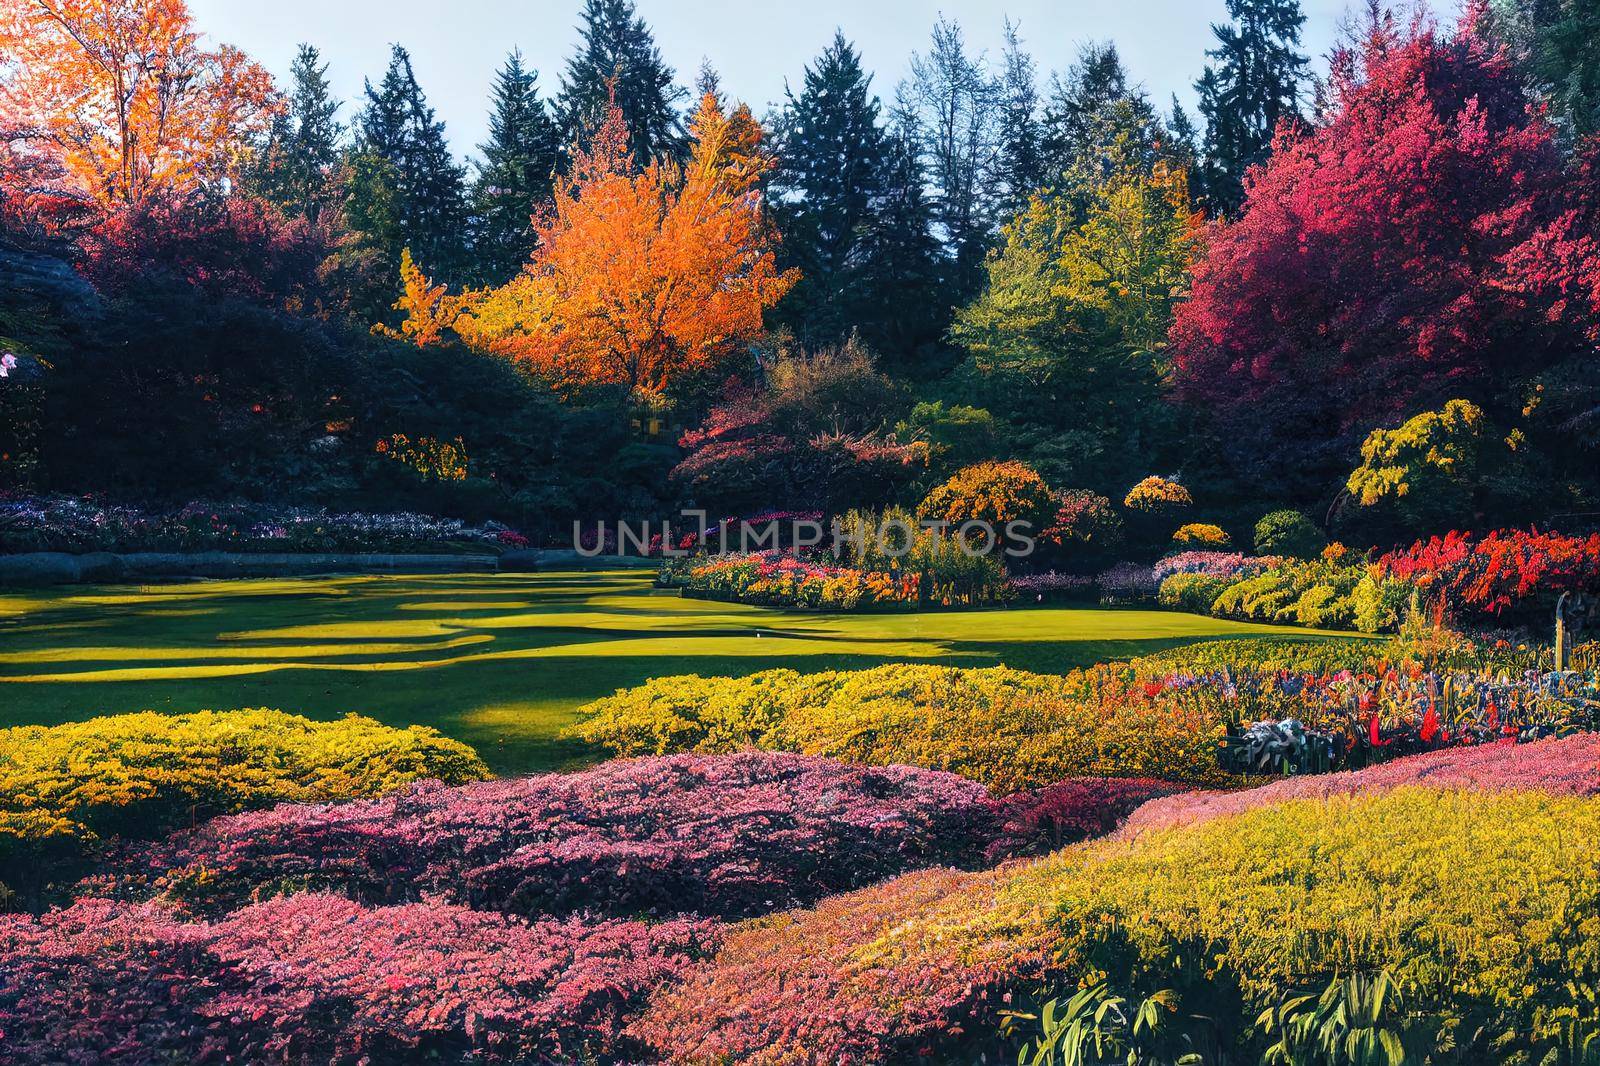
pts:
[756, 46]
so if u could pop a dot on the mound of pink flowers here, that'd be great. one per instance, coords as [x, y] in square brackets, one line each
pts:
[729, 836]
[725, 836]
[1569, 767]
[1079, 808]
[321, 979]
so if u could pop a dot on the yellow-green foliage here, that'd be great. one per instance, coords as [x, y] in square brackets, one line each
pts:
[1201, 535]
[1007, 729]
[1482, 905]
[1434, 447]
[1192, 592]
[143, 774]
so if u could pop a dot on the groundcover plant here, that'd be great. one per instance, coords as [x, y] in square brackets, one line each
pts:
[915, 537]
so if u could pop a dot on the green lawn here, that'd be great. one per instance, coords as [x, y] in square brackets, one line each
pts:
[499, 661]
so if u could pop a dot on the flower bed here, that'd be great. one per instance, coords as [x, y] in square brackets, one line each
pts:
[71, 524]
[1006, 729]
[728, 836]
[320, 979]
[779, 579]
[1230, 915]
[1505, 571]
[66, 788]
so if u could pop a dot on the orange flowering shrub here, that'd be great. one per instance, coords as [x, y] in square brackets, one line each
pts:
[1199, 535]
[996, 493]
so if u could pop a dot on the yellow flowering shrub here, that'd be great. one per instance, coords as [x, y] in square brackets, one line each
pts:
[139, 775]
[1157, 495]
[1482, 905]
[1008, 729]
[1200, 535]
[433, 460]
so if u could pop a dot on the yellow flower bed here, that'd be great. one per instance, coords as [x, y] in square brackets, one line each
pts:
[143, 774]
[1008, 729]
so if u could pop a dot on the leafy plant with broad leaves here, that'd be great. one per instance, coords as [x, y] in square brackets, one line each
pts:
[1358, 1020]
[1097, 1027]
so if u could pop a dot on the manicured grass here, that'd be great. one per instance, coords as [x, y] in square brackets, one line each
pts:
[499, 661]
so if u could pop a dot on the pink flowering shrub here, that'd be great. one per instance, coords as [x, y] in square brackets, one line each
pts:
[1569, 767]
[1213, 564]
[322, 979]
[730, 836]
[1039, 822]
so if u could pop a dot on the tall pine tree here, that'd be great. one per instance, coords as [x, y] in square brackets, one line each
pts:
[618, 55]
[1020, 167]
[850, 201]
[907, 303]
[1558, 43]
[1255, 84]
[952, 106]
[301, 158]
[406, 152]
[826, 187]
[515, 176]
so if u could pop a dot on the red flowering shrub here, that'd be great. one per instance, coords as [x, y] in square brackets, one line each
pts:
[320, 979]
[1569, 767]
[1501, 571]
[1039, 822]
[730, 836]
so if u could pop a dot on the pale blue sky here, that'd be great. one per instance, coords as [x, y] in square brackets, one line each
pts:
[756, 46]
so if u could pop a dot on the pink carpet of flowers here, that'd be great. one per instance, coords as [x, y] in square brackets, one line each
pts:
[1563, 767]
[729, 836]
[322, 979]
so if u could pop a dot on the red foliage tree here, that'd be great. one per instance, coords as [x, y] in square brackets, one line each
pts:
[238, 247]
[1372, 272]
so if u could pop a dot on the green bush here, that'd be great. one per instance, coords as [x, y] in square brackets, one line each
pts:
[1192, 592]
[1289, 533]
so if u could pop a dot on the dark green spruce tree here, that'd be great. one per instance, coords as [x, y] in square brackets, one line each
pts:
[1021, 157]
[1089, 108]
[906, 299]
[300, 162]
[825, 190]
[515, 177]
[405, 157]
[1255, 83]
[618, 55]
[1558, 44]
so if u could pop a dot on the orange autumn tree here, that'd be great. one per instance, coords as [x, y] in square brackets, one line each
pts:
[642, 274]
[125, 97]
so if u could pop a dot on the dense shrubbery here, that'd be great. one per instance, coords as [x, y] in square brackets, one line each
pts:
[66, 788]
[925, 964]
[80, 525]
[321, 979]
[729, 836]
[1007, 729]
